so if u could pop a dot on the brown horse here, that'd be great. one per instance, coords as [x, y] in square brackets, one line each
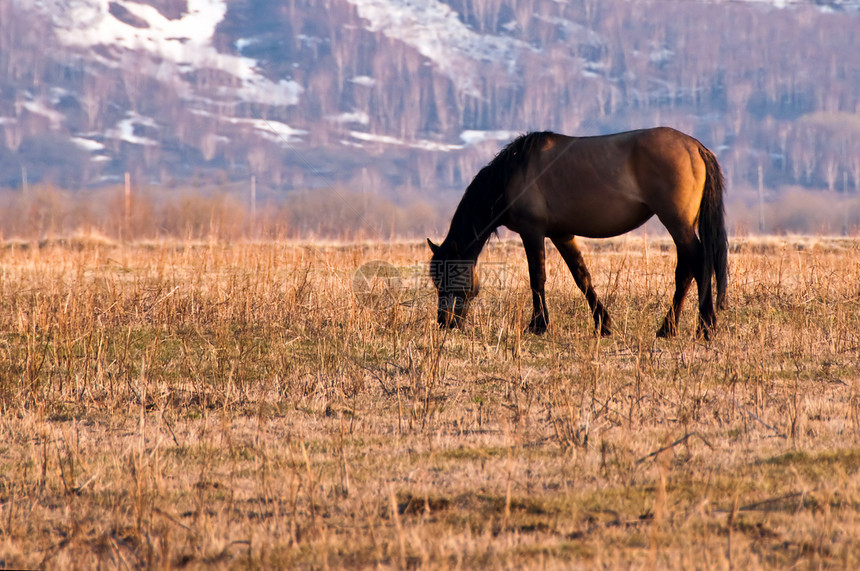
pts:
[546, 185]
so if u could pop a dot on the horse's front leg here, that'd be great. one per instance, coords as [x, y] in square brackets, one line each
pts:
[576, 264]
[536, 256]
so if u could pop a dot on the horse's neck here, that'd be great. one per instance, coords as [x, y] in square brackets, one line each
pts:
[472, 225]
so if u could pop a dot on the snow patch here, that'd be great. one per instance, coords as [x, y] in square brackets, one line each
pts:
[186, 41]
[243, 43]
[363, 80]
[275, 131]
[472, 137]
[469, 138]
[124, 130]
[394, 141]
[661, 55]
[87, 144]
[355, 117]
[435, 30]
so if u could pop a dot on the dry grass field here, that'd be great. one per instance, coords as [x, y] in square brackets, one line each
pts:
[265, 405]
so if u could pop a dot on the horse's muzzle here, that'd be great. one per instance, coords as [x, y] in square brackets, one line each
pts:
[450, 320]
[452, 311]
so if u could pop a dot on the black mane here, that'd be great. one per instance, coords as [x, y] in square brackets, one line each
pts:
[482, 208]
[509, 160]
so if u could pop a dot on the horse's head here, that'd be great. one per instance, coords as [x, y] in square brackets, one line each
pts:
[455, 281]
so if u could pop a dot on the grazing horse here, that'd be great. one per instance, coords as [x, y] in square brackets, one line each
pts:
[545, 185]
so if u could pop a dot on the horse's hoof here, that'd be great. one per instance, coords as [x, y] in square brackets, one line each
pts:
[450, 323]
[705, 328]
[537, 328]
[703, 333]
[603, 326]
[666, 332]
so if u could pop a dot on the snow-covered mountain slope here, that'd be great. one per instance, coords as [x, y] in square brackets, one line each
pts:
[418, 93]
[436, 32]
[185, 43]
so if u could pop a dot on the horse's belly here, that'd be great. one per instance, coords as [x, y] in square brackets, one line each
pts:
[600, 221]
[599, 205]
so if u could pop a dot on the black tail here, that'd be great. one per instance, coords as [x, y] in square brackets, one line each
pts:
[712, 226]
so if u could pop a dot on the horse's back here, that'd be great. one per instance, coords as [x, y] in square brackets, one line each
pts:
[605, 185]
[579, 185]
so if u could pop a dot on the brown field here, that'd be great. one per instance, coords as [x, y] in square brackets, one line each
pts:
[260, 405]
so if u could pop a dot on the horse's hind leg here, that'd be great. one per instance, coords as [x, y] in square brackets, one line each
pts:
[707, 315]
[683, 278]
[691, 264]
[536, 256]
[573, 258]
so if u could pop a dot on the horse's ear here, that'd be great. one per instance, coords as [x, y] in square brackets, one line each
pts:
[433, 247]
